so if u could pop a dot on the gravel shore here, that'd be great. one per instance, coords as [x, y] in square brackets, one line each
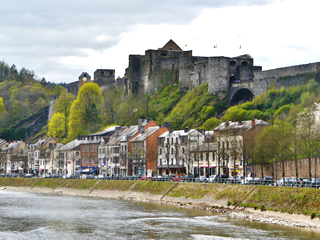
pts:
[284, 219]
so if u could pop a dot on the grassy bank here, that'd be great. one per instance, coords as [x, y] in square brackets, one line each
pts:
[285, 199]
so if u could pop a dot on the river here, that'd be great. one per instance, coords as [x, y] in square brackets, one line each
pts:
[46, 216]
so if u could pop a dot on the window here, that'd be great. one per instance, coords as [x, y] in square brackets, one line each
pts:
[160, 151]
[182, 150]
[87, 159]
[133, 145]
[171, 140]
[140, 145]
[171, 150]
[233, 63]
[244, 63]
[91, 159]
[176, 140]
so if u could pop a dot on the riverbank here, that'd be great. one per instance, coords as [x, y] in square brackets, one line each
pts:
[215, 197]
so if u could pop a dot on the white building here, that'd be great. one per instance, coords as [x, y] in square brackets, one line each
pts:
[175, 151]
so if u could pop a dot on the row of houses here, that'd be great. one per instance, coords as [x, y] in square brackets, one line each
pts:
[145, 149]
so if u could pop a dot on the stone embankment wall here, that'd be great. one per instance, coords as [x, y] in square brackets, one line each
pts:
[289, 168]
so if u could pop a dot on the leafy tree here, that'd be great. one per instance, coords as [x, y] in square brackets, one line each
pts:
[85, 112]
[2, 109]
[211, 123]
[58, 90]
[309, 134]
[63, 106]
[57, 125]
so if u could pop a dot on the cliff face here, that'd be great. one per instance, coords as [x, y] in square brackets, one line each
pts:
[34, 123]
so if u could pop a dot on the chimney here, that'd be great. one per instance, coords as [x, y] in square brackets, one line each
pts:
[186, 129]
[253, 122]
[141, 129]
[166, 124]
[140, 120]
[57, 140]
[117, 131]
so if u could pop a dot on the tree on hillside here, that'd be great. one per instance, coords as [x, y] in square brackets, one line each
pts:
[56, 126]
[63, 105]
[86, 110]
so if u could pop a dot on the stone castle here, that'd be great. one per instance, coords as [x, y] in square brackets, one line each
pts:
[234, 77]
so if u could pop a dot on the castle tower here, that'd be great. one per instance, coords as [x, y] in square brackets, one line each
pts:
[84, 78]
[104, 77]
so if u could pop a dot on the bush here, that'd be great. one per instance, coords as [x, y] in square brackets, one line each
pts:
[228, 203]
[313, 215]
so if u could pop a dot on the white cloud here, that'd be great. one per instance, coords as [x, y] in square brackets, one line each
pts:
[60, 39]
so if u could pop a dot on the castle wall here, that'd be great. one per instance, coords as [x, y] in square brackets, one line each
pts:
[134, 73]
[287, 77]
[73, 88]
[104, 77]
[219, 74]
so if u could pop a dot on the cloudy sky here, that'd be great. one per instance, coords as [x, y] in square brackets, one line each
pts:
[60, 39]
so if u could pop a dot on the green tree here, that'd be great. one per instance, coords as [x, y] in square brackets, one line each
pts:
[58, 90]
[2, 109]
[85, 111]
[63, 105]
[56, 126]
[309, 133]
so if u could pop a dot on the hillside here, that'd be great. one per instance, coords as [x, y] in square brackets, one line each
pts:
[23, 96]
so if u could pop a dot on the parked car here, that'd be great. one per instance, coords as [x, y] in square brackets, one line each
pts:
[146, 178]
[304, 182]
[283, 181]
[28, 175]
[156, 178]
[203, 179]
[188, 178]
[239, 179]
[177, 178]
[100, 177]
[168, 177]
[222, 178]
[47, 175]
[267, 180]
[231, 179]
[211, 178]
[292, 182]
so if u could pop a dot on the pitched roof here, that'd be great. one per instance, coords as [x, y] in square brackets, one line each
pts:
[228, 125]
[71, 145]
[143, 136]
[84, 74]
[171, 46]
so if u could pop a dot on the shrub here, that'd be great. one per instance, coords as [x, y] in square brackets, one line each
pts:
[228, 203]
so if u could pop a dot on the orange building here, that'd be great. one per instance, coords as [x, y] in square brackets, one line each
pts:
[142, 148]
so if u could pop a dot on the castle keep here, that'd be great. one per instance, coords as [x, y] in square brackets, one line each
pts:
[234, 77]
